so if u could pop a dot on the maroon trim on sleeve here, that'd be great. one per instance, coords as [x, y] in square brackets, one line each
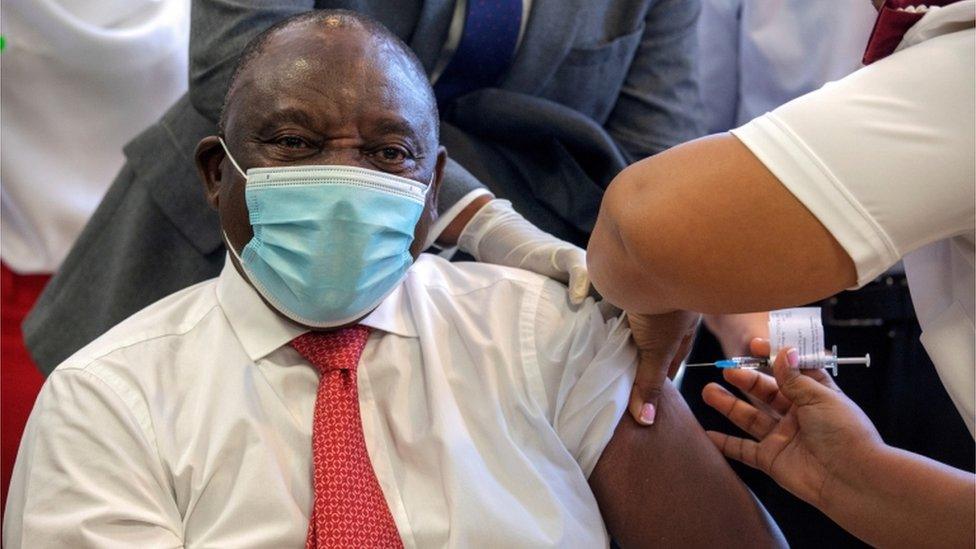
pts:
[892, 24]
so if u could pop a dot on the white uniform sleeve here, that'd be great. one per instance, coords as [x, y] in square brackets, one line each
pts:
[86, 474]
[587, 366]
[884, 157]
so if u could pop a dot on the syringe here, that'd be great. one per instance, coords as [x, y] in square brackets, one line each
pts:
[755, 362]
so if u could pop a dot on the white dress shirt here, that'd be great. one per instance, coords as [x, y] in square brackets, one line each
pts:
[80, 79]
[884, 159]
[486, 402]
[756, 55]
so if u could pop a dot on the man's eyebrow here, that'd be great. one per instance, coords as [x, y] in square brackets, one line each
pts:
[399, 126]
[288, 114]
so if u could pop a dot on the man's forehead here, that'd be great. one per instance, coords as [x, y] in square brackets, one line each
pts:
[347, 64]
[333, 45]
[316, 45]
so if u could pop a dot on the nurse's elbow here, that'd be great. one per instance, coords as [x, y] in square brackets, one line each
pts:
[623, 252]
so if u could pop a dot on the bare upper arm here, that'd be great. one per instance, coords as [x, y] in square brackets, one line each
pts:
[705, 226]
[668, 486]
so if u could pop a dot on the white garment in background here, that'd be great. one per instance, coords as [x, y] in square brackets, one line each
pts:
[885, 159]
[486, 402]
[80, 79]
[755, 55]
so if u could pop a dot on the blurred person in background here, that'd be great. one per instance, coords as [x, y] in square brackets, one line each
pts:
[756, 56]
[80, 79]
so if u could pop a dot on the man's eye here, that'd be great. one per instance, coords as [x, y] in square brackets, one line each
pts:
[291, 142]
[393, 154]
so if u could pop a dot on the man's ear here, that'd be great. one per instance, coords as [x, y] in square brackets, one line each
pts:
[435, 188]
[422, 235]
[209, 157]
[438, 175]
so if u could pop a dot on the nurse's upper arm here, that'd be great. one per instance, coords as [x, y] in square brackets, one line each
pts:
[668, 486]
[706, 226]
[822, 194]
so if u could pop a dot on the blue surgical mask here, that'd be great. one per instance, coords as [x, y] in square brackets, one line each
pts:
[330, 242]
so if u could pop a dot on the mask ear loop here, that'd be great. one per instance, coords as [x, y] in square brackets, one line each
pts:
[230, 247]
[223, 233]
[430, 184]
[431, 238]
[231, 157]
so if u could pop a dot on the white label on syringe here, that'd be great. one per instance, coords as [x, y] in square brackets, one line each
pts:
[800, 328]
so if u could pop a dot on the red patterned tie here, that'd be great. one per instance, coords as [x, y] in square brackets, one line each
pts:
[348, 508]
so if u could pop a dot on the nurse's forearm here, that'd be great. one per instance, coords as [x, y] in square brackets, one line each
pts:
[906, 500]
[705, 226]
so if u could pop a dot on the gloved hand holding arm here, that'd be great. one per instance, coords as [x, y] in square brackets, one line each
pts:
[819, 445]
[498, 234]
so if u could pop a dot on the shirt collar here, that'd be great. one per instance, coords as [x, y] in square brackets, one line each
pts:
[262, 330]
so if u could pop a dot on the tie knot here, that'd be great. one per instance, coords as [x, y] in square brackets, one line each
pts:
[333, 350]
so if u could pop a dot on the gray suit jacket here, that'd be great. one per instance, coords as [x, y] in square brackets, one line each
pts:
[595, 85]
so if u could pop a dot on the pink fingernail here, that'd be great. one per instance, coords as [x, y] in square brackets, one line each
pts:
[647, 414]
[793, 358]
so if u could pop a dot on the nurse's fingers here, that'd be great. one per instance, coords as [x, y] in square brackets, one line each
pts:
[823, 377]
[739, 412]
[662, 340]
[739, 449]
[761, 347]
[759, 386]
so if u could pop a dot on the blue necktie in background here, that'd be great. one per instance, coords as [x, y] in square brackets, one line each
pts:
[485, 51]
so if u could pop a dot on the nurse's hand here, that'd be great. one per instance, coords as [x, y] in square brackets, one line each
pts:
[663, 341]
[810, 438]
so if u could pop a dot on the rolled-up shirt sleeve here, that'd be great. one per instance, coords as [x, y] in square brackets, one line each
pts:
[884, 157]
[587, 365]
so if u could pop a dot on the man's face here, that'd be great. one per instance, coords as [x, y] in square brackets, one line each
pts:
[323, 94]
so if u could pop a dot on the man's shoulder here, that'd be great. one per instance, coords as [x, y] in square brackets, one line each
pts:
[487, 290]
[435, 273]
[171, 317]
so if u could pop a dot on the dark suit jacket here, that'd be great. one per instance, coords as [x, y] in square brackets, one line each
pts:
[595, 85]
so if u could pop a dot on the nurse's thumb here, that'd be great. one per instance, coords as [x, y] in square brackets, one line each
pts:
[652, 374]
[800, 389]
